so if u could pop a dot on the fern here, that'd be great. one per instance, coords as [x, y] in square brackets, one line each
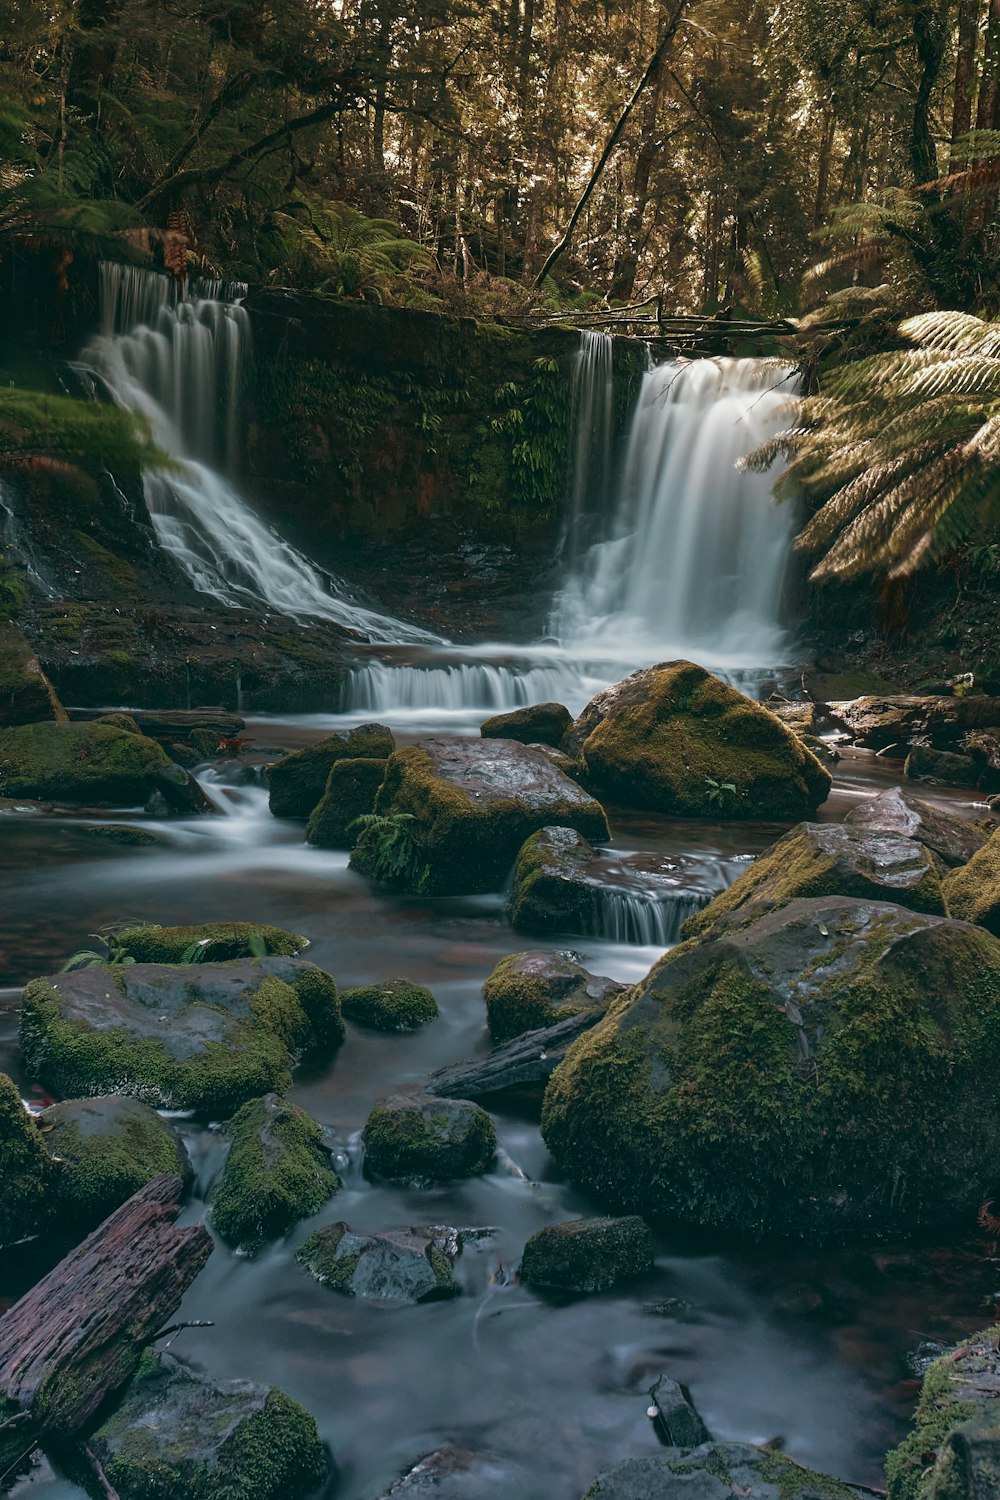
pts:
[388, 852]
[334, 248]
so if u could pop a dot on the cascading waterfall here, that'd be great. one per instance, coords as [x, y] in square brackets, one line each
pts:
[458, 687]
[644, 918]
[177, 357]
[592, 416]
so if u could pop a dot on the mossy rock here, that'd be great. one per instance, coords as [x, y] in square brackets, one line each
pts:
[394, 1005]
[588, 1255]
[108, 1148]
[92, 763]
[954, 840]
[946, 768]
[212, 940]
[419, 1138]
[399, 1265]
[674, 739]
[126, 834]
[539, 724]
[536, 988]
[298, 781]
[26, 695]
[180, 1435]
[351, 790]
[809, 1071]
[973, 891]
[953, 1452]
[30, 1177]
[832, 859]
[277, 1172]
[206, 1037]
[462, 808]
[716, 1471]
[120, 721]
[553, 889]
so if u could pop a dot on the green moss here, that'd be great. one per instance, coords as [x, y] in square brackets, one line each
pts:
[78, 762]
[394, 1005]
[528, 990]
[351, 789]
[319, 1256]
[277, 1172]
[125, 834]
[30, 1177]
[588, 1255]
[945, 1403]
[973, 890]
[213, 940]
[13, 590]
[298, 781]
[547, 894]
[421, 1138]
[107, 1150]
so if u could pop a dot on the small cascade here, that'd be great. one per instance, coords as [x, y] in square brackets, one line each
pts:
[177, 357]
[644, 900]
[592, 408]
[647, 919]
[460, 687]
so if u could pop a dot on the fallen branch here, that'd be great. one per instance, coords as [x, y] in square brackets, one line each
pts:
[526, 1062]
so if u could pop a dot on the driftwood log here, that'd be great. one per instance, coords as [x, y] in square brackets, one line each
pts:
[177, 723]
[80, 1332]
[526, 1062]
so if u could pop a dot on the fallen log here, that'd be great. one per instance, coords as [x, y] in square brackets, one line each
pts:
[79, 1334]
[176, 723]
[526, 1062]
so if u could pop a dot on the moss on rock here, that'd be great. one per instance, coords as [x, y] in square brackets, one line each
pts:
[716, 1471]
[351, 790]
[26, 695]
[29, 1175]
[550, 890]
[538, 724]
[108, 1148]
[973, 890]
[943, 1458]
[399, 1265]
[588, 1255]
[394, 1005]
[298, 781]
[216, 941]
[532, 989]
[277, 1172]
[93, 763]
[416, 1137]
[126, 834]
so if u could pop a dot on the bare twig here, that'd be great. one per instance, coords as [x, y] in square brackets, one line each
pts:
[107, 1488]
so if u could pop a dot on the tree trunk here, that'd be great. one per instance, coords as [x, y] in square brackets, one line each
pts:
[627, 262]
[965, 70]
[930, 34]
[526, 1062]
[823, 174]
[94, 54]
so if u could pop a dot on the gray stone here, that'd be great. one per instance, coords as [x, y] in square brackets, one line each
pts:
[530, 990]
[539, 724]
[418, 1137]
[716, 1471]
[397, 1265]
[899, 811]
[677, 1415]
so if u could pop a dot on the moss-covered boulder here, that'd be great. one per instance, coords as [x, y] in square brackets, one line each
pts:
[538, 724]
[108, 1148]
[588, 1255]
[206, 1037]
[454, 812]
[832, 859]
[675, 739]
[180, 1435]
[953, 1452]
[399, 1265]
[533, 989]
[973, 890]
[202, 941]
[351, 789]
[716, 1471]
[393, 1005]
[277, 1172]
[553, 888]
[26, 695]
[28, 1176]
[897, 810]
[127, 835]
[298, 781]
[418, 1138]
[93, 763]
[809, 1070]
[945, 768]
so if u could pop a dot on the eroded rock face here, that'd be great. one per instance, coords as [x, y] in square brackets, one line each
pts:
[351, 790]
[540, 724]
[900, 811]
[807, 1070]
[674, 739]
[588, 1255]
[277, 1172]
[108, 1148]
[298, 781]
[537, 988]
[399, 1265]
[973, 890]
[878, 722]
[945, 767]
[716, 1471]
[456, 811]
[953, 1452]
[29, 1174]
[26, 695]
[420, 1138]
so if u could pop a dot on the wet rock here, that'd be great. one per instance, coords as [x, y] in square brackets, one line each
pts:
[807, 1070]
[26, 695]
[181, 793]
[151, 944]
[527, 1062]
[351, 790]
[924, 763]
[677, 1415]
[108, 1148]
[179, 1036]
[92, 763]
[973, 890]
[534, 989]
[953, 1452]
[879, 722]
[121, 721]
[399, 1265]
[899, 811]
[832, 859]
[29, 1174]
[394, 1005]
[553, 889]
[299, 780]
[799, 717]
[277, 1172]
[126, 834]
[209, 725]
[541, 724]
[180, 1433]
[419, 1137]
[716, 1471]
[983, 746]
[456, 811]
[675, 739]
[588, 1255]
[456, 1472]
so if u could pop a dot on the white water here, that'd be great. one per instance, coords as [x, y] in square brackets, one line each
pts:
[592, 408]
[178, 360]
[642, 917]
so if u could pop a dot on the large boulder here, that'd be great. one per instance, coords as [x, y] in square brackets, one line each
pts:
[533, 989]
[418, 1138]
[898, 810]
[29, 1173]
[539, 724]
[178, 1036]
[953, 1452]
[182, 1434]
[393, 1005]
[351, 791]
[277, 1172]
[92, 763]
[298, 781]
[26, 694]
[553, 886]
[454, 812]
[973, 890]
[675, 739]
[107, 1149]
[588, 1255]
[399, 1265]
[832, 859]
[716, 1471]
[217, 941]
[807, 1070]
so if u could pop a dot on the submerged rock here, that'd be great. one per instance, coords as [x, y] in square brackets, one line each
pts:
[277, 1172]
[898, 810]
[973, 890]
[92, 763]
[456, 1472]
[29, 1173]
[180, 1433]
[716, 1471]
[945, 767]
[351, 790]
[535, 989]
[832, 859]
[298, 781]
[553, 890]
[454, 812]
[677, 1416]
[540, 724]
[808, 1070]
[108, 1148]
[419, 1137]
[208, 1036]
[588, 1255]
[125, 834]
[26, 695]
[393, 1005]
[953, 1452]
[207, 940]
[675, 739]
[398, 1265]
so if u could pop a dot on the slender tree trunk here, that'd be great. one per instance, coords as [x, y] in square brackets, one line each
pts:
[823, 172]
[930, 33]
[627, 262]
[965, 73]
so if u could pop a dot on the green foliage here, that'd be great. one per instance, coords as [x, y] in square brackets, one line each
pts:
[331, 247]
[536, 422]
[13, 590]
[91, 434]
[720, 794]
[390, 853]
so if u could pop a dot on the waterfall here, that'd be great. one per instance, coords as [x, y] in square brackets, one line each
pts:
[644, 918]
[177, 356]
[456, 687]
[694, 560]
[592, 418]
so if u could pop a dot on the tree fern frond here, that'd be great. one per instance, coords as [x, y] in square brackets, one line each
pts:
[953, 331]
